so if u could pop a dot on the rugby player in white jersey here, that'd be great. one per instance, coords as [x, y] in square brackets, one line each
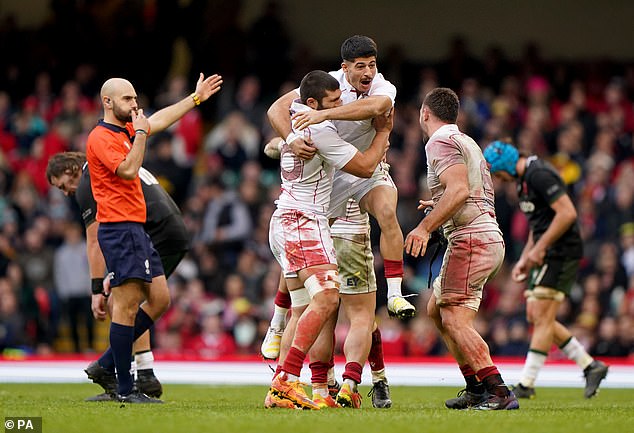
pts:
[299, 231]
[365, 94]
[358, 297]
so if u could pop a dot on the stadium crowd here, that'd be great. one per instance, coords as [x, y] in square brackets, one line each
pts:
[577, 115]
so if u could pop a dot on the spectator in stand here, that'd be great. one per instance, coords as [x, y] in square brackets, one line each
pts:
[72, 279]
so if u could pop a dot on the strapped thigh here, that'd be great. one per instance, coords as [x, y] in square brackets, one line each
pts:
[299, 297]
[544, 293]
[322, 280]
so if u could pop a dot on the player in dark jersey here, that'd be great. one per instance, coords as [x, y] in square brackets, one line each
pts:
[68, 171]
[549, 261]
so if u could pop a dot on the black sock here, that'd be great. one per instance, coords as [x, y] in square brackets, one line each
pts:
[142, 322]
[121, 338]
[495, 385]
[474, 385]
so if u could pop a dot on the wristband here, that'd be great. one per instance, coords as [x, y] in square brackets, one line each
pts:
[196, 98]
[96, 286]
[140, 131]
[292, 137]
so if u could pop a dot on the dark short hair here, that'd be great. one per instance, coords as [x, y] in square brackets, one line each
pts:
[315, 84]
[64, 162]
[443, 103]
[358, 46]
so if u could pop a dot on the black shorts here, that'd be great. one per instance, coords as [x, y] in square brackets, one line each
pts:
[170, 261]
[556, 273]
[128, 252]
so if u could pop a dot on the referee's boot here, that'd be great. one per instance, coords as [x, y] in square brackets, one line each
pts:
[104, 378]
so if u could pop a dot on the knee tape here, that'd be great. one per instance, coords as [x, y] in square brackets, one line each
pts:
[299, 297]
[544, 293]
[322, 280]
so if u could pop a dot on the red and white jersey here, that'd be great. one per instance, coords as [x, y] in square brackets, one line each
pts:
[360, 133]
[306, 185]
[445, 148]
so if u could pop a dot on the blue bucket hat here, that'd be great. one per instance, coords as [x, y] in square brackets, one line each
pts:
[502, 157]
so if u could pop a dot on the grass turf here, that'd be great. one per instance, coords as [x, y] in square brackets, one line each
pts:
[239, 409]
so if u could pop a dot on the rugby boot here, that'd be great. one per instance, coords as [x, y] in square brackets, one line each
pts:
[148, 384]
[594, 374]
[465, 400]
[102, 377]
[293, 391]
[494, 402]
[522, 391]
[398, 306]
[270, 348]
[380, 394]
[271, 400]
[348, 398]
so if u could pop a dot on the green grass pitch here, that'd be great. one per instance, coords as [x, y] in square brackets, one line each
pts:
[239, 409]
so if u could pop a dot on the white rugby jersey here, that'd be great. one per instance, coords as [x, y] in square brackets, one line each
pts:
[446, 147]
[306, 185]
[360, 133]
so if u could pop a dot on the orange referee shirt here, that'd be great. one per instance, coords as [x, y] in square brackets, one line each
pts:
[117, 199]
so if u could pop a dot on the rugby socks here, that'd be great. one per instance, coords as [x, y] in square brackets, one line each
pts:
[576, 352]
[332, 380]
[352, 374]
[394, 276]
[121, 338]
[473, 384]
[319, 372]
[319, 379]
[107, 360]
[278, 321]
[375, 357]
[492, 380]
[142, 323]
[535, 360]
[144, 360]
[293, 363]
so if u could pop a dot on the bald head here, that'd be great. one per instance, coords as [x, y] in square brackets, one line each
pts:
[118, 98]
[116, 86]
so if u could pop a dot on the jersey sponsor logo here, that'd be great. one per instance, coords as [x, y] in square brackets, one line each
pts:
[552, 189]
[85, 214]
[126, 144]
[527, 206]
[352, 281]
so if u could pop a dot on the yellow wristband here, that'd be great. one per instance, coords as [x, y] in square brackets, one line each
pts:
[196, 98]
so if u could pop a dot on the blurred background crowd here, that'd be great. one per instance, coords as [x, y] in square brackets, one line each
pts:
[579, 115]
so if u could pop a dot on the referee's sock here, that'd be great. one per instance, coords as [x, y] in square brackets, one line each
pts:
[142, 323]
[121, 338]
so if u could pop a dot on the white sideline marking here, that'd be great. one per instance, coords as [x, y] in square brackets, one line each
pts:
[258, 373]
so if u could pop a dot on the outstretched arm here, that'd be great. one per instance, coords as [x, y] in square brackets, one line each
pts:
[205, 88]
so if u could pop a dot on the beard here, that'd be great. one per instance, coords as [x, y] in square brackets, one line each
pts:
[121, 115]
